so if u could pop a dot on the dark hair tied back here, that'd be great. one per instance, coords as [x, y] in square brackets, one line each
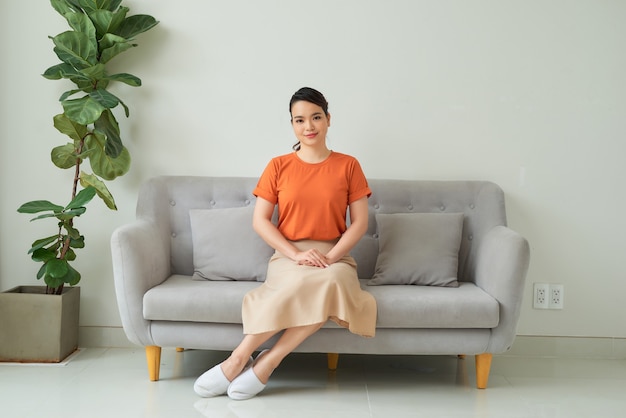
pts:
[310, 95]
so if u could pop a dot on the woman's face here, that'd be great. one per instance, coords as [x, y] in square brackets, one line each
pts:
[310, 123]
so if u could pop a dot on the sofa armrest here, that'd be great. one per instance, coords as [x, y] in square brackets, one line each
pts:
[140, 257]
[502, 264]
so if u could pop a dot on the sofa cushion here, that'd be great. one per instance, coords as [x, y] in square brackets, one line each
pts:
[226, 247]
[406, 306]
[180, 298]
[418, 249]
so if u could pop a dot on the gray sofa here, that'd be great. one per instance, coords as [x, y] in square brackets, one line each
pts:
[163, 304]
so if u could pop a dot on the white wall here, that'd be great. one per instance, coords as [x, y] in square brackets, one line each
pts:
[417, 90]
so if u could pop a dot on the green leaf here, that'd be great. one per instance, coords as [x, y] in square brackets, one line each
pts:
[63, 215]
[43, 254]
[134, 25]
[107, 125]
[95, 73]
[37, 206]
[41, 243]
[56, 268]
[52, 282]
[64, 156]
[106, 21]
[61, 6]
[102, 164]
[81, 23]
[66, 126]
[70, 255]
[110, 40]
[109, 53]
[114, 5]
[126, 110]
[71, 231]
[87, 180]
[91, 5]
[72, 277]
[82, 198]
[85, 110]
[41, 272]
[129, 79]
[56, 72]
[47, 215]
[105, 98]
[78, 243]
[69, 93]
[71, 213]
[75, 4]
[76, 49]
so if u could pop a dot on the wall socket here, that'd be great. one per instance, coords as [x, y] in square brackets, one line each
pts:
[548, 296]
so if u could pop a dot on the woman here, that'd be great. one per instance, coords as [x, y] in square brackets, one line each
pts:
[311, 278]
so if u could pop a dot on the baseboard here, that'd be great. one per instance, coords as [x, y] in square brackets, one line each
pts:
[103, 337]
[569, 347]
[524, 345]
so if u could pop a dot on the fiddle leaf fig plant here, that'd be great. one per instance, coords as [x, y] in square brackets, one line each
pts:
[100, 30]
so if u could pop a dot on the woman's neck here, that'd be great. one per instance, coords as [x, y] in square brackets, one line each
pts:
[313, 155]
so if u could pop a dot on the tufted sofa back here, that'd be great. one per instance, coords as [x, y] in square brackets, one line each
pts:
[166, 201]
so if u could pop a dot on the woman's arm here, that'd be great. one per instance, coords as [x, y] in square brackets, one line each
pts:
[262, 224]
[356, 230]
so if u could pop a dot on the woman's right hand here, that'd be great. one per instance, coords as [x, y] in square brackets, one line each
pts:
[312, 257]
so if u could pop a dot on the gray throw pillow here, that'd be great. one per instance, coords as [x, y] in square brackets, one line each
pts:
[418, 248]
[226, 247]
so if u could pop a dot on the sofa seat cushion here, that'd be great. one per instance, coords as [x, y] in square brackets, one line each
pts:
[180, 298]
[410, 306]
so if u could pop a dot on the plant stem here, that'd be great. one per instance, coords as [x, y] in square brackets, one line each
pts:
[67, 241]
[77, 170]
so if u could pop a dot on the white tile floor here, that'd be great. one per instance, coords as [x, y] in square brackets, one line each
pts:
[101, 382]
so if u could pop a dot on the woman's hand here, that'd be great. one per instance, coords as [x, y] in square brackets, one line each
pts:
[313, 258]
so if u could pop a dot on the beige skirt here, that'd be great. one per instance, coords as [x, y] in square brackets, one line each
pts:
[294, 295]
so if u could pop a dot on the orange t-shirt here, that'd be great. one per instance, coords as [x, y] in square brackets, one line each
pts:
[312, 198]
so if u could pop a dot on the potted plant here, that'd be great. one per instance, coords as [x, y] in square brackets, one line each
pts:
[100, 31]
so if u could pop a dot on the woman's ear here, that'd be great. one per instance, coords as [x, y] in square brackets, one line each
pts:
[328, 117]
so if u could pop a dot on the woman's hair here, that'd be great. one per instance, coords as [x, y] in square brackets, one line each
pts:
[310, 95]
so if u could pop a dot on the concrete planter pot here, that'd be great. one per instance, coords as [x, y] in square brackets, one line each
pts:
[38, 328]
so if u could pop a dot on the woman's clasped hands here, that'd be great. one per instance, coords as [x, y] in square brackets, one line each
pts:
[312, 258]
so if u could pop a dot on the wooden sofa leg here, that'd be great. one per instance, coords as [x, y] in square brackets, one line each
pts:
[333, 360]
[483, 365]
[179, 349]
[153, 356]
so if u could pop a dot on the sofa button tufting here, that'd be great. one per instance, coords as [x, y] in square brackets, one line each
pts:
[410, 207]
[470, 237]
[442, 207]
[172, 202]
[472, 206]
[376, 206]
[212, 202]
[375, 236]
[173, 234]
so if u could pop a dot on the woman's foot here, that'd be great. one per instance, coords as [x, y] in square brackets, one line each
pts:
[233, 366]
[216, 380]
[252, 381]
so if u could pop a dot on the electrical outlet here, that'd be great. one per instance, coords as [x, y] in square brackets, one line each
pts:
[556, 296]
[541, 294]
